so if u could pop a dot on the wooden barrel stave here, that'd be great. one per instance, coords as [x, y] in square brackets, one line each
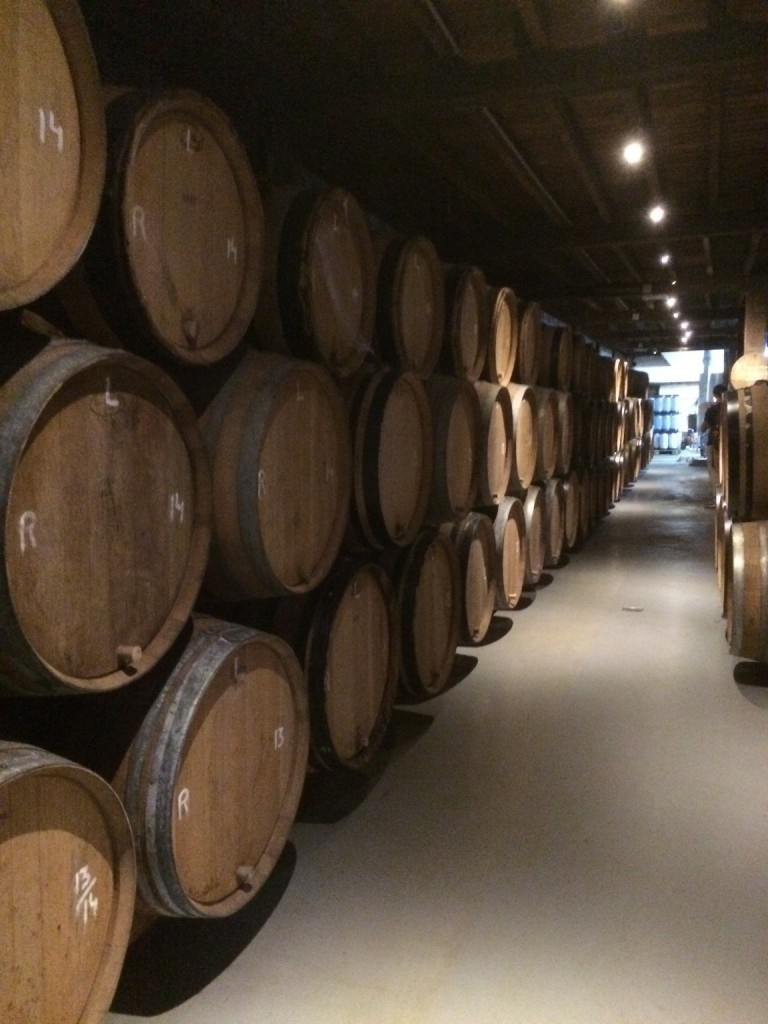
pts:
[496, 453]
[392, 453]
[475, 545]
[212, 779]
[174, 266]
[426, 578]
[108, 433]
[345, 635]
[52, 174]
[278, 439]
[410, 305]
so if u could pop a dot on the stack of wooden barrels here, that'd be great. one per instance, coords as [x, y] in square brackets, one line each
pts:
[294, 465]
[741, 534]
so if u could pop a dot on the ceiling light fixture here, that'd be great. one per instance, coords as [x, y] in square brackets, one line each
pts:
[671, 301]
[664, 258]
[633, 152]
[676, 314]
[684, 325]
[657, 214]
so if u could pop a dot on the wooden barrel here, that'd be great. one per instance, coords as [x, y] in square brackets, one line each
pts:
[54, 145]
[747, 590]
[554, 521]
[547, 446]
[410, 301]
[502, 335]
[571, 500]
[476, 547]
[586, 489]
[392, 446]
[496, 450]
[561, 358]
[456, 431]
[68, 882]
[584, 364]
[529, 345]
[535, 511]
[426, 578]
[466, 335]
[744, 452]
[212, 780]
[318, 298]
[511, 551]
[278, 439]
[106, 506]
[175, 263]
[345, 635]
[564, 432]
[525, 431]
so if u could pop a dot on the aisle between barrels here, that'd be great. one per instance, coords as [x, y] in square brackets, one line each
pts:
[573, 833]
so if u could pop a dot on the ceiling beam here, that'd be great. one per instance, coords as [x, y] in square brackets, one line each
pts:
[529, 179]
[638, 232]
[627, 61]
[653, 291]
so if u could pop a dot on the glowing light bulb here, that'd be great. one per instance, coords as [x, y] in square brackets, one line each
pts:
[657, 214]
[633, 152]
[671, 301]
[664, 258]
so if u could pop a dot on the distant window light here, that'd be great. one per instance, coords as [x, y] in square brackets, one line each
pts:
[633, 152]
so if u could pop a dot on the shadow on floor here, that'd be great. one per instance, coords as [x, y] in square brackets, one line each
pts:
[497, 630]
[177, 957]
[754, 676]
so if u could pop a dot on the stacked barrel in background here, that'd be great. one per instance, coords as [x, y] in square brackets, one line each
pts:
[295, 464]
[741, 535]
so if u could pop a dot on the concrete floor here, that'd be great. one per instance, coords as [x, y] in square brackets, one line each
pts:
[574, 834]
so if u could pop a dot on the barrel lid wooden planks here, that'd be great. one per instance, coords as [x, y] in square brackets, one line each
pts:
[175, 262]
[52, 170]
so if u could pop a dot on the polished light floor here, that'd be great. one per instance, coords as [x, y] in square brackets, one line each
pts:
[575, 833]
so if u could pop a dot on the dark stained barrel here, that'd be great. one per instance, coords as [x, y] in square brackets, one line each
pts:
[503, 333]
[534, 509]
[392, 454]
[525, 429]
[318, 298]
[410, 301]
[496, 449]
[744, 452]
[427, 583]
[466, 335]
[457, 428]
[345, 634]
[476, 547]
[511, 551]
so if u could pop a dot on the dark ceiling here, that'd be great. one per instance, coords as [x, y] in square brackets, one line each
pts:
[495, 127]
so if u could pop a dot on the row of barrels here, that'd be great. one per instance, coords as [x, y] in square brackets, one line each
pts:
[741, 535]
[254, 499]
[161, 241]
[176, 795]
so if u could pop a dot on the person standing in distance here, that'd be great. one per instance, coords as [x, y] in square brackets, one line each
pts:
[711, 424]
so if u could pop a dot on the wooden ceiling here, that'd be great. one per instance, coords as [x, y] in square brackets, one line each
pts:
[495, 127]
